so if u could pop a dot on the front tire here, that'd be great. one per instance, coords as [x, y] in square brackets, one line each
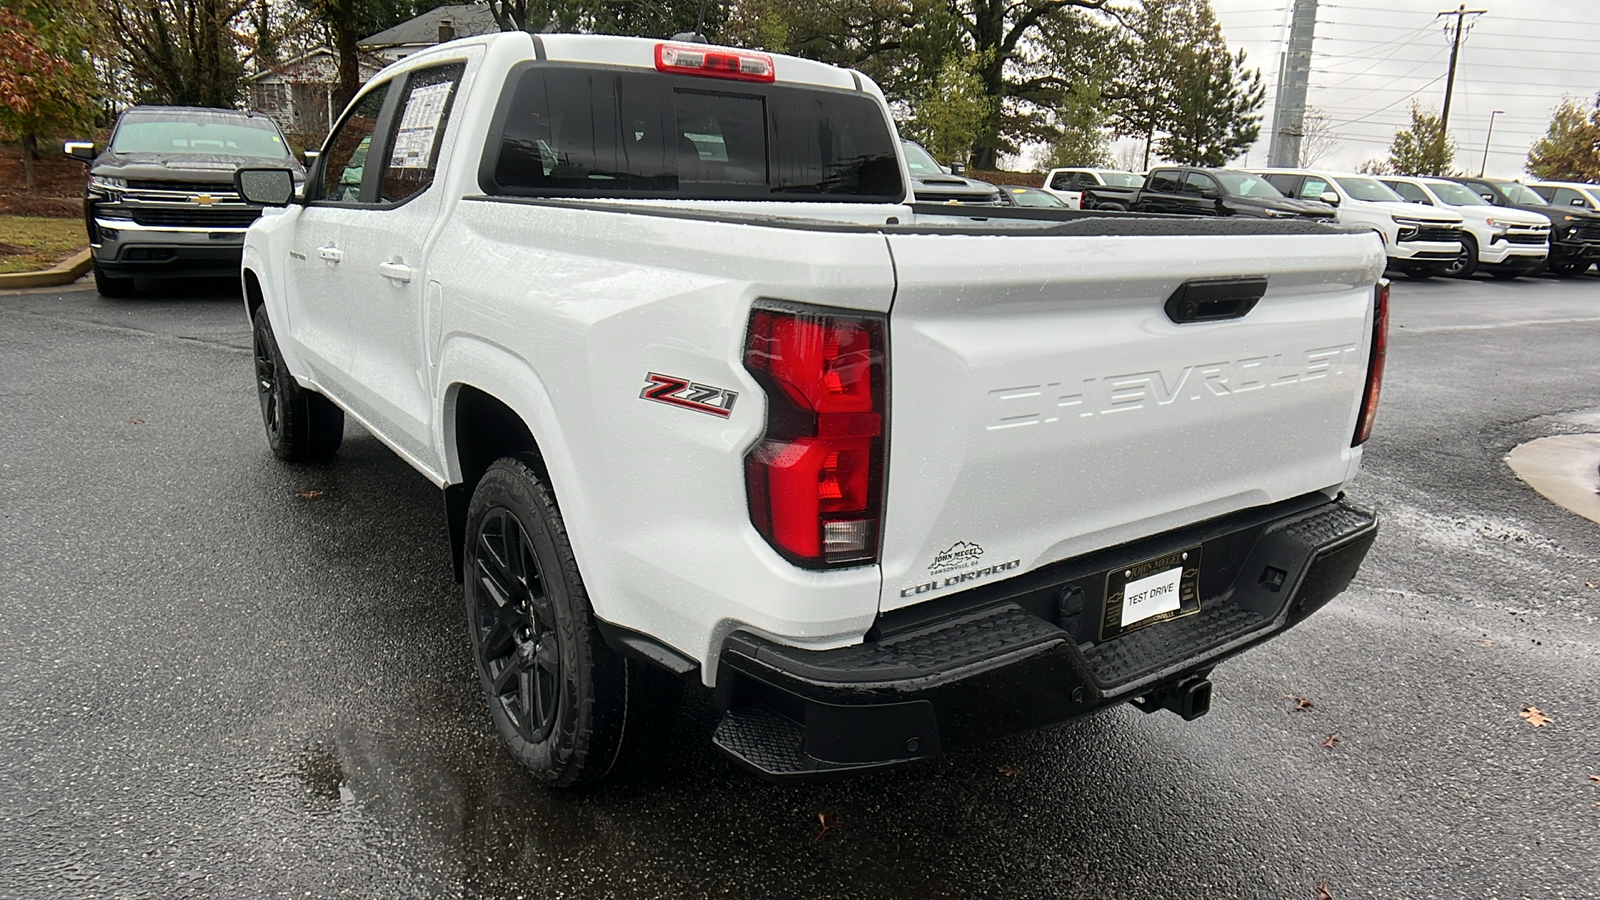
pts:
[112, 287]
[302, 425]
[569, 708]
[1569, 268]
[1466, 262]
[1419, 273]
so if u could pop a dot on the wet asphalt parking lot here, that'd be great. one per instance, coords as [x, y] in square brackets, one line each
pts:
[223, 676]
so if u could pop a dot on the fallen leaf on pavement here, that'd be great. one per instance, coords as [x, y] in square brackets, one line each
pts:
[826, 820]
[1487, 644]
[1595, 778]
[141, 422]
[1299, 702]
[1332, 739]
[1589, 584]
[309, 495]
[1535, 718]
[1008, 771]
[1322, 891]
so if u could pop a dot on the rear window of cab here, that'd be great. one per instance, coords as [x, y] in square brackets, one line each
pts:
[567, 131]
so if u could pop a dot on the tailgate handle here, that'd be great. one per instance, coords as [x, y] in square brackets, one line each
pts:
[1215, 300]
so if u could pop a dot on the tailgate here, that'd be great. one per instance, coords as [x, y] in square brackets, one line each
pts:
[1043, 404]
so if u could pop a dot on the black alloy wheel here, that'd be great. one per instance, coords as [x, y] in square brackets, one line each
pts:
[301, 425]
[514, 628]
[569, 708]
[269, 389]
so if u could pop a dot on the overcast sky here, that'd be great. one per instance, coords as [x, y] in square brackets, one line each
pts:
[1371, 58]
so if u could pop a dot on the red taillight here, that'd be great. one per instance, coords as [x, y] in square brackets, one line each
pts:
[715, 62]
[1380, 349]
[815, 479]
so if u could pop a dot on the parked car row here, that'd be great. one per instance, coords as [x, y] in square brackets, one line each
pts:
[1429, 225]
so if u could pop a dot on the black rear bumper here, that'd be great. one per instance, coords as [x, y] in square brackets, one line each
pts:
[1027, 652]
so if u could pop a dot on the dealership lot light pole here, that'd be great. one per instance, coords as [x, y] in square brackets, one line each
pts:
[1486, 139]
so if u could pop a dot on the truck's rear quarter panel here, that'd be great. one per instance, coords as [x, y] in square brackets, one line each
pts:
[1043, 405]
[590, 302]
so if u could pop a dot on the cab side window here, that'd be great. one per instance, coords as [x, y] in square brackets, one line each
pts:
[1484, 191]
[417, 133]
[1314, 188]
[1410, 192]
[1164, 181]
[1569, 197]
[1064, 181]
[1201, 185]
[1286, 184]
[344, 157]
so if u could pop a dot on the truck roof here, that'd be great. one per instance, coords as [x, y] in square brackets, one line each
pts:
[613, 50]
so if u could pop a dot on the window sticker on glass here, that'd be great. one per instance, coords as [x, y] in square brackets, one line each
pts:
[413, 142]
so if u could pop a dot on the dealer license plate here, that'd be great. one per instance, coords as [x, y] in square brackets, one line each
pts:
[1156, 590]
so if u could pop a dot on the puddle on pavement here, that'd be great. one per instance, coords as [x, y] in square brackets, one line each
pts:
[1564, 469]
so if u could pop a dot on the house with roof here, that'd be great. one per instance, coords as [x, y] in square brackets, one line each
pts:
[437, 25]
[298, 94]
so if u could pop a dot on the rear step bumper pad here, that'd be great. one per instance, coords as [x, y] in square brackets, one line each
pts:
[1003, 663]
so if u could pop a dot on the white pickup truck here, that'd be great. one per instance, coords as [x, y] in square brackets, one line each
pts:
[711, 399]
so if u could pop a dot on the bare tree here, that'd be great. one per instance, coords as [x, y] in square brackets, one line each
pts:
[1130, 158]
[1317, 137]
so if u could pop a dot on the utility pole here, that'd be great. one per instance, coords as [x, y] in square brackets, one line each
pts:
[1294, 77]
[1455, 31]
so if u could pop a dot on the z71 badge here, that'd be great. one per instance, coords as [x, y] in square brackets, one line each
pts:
[682, 392]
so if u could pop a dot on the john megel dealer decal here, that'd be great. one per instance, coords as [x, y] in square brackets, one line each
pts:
[960, 554]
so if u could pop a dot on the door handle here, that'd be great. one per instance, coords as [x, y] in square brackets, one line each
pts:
[398, 271]
[330, 253]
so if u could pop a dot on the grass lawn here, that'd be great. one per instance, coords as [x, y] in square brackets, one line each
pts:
[28, 243]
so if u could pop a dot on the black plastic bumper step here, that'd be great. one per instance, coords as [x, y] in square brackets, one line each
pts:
[774, 746]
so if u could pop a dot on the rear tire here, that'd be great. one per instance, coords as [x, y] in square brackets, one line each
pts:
[302, 425]
[1467, 261]
[569, 708]
[112, 287]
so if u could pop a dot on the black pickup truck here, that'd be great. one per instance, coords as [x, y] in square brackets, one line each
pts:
[1185, 190]
[160, 199]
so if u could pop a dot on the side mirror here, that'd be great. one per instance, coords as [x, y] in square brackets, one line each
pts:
[309, 156]
[265, 187]
[1329, 197]
[83, 151]
[958, 168]
[1488, 196]
[1578, 201]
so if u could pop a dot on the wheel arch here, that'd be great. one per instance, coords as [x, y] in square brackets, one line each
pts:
[254, 297]
[479, 428]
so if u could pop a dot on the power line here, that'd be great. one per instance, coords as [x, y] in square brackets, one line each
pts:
[1391, 104]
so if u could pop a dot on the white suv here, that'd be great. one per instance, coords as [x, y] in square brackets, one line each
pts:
[1506, 242]
[1421, 241]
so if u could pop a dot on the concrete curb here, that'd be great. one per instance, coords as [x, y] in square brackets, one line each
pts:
[64, 273]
